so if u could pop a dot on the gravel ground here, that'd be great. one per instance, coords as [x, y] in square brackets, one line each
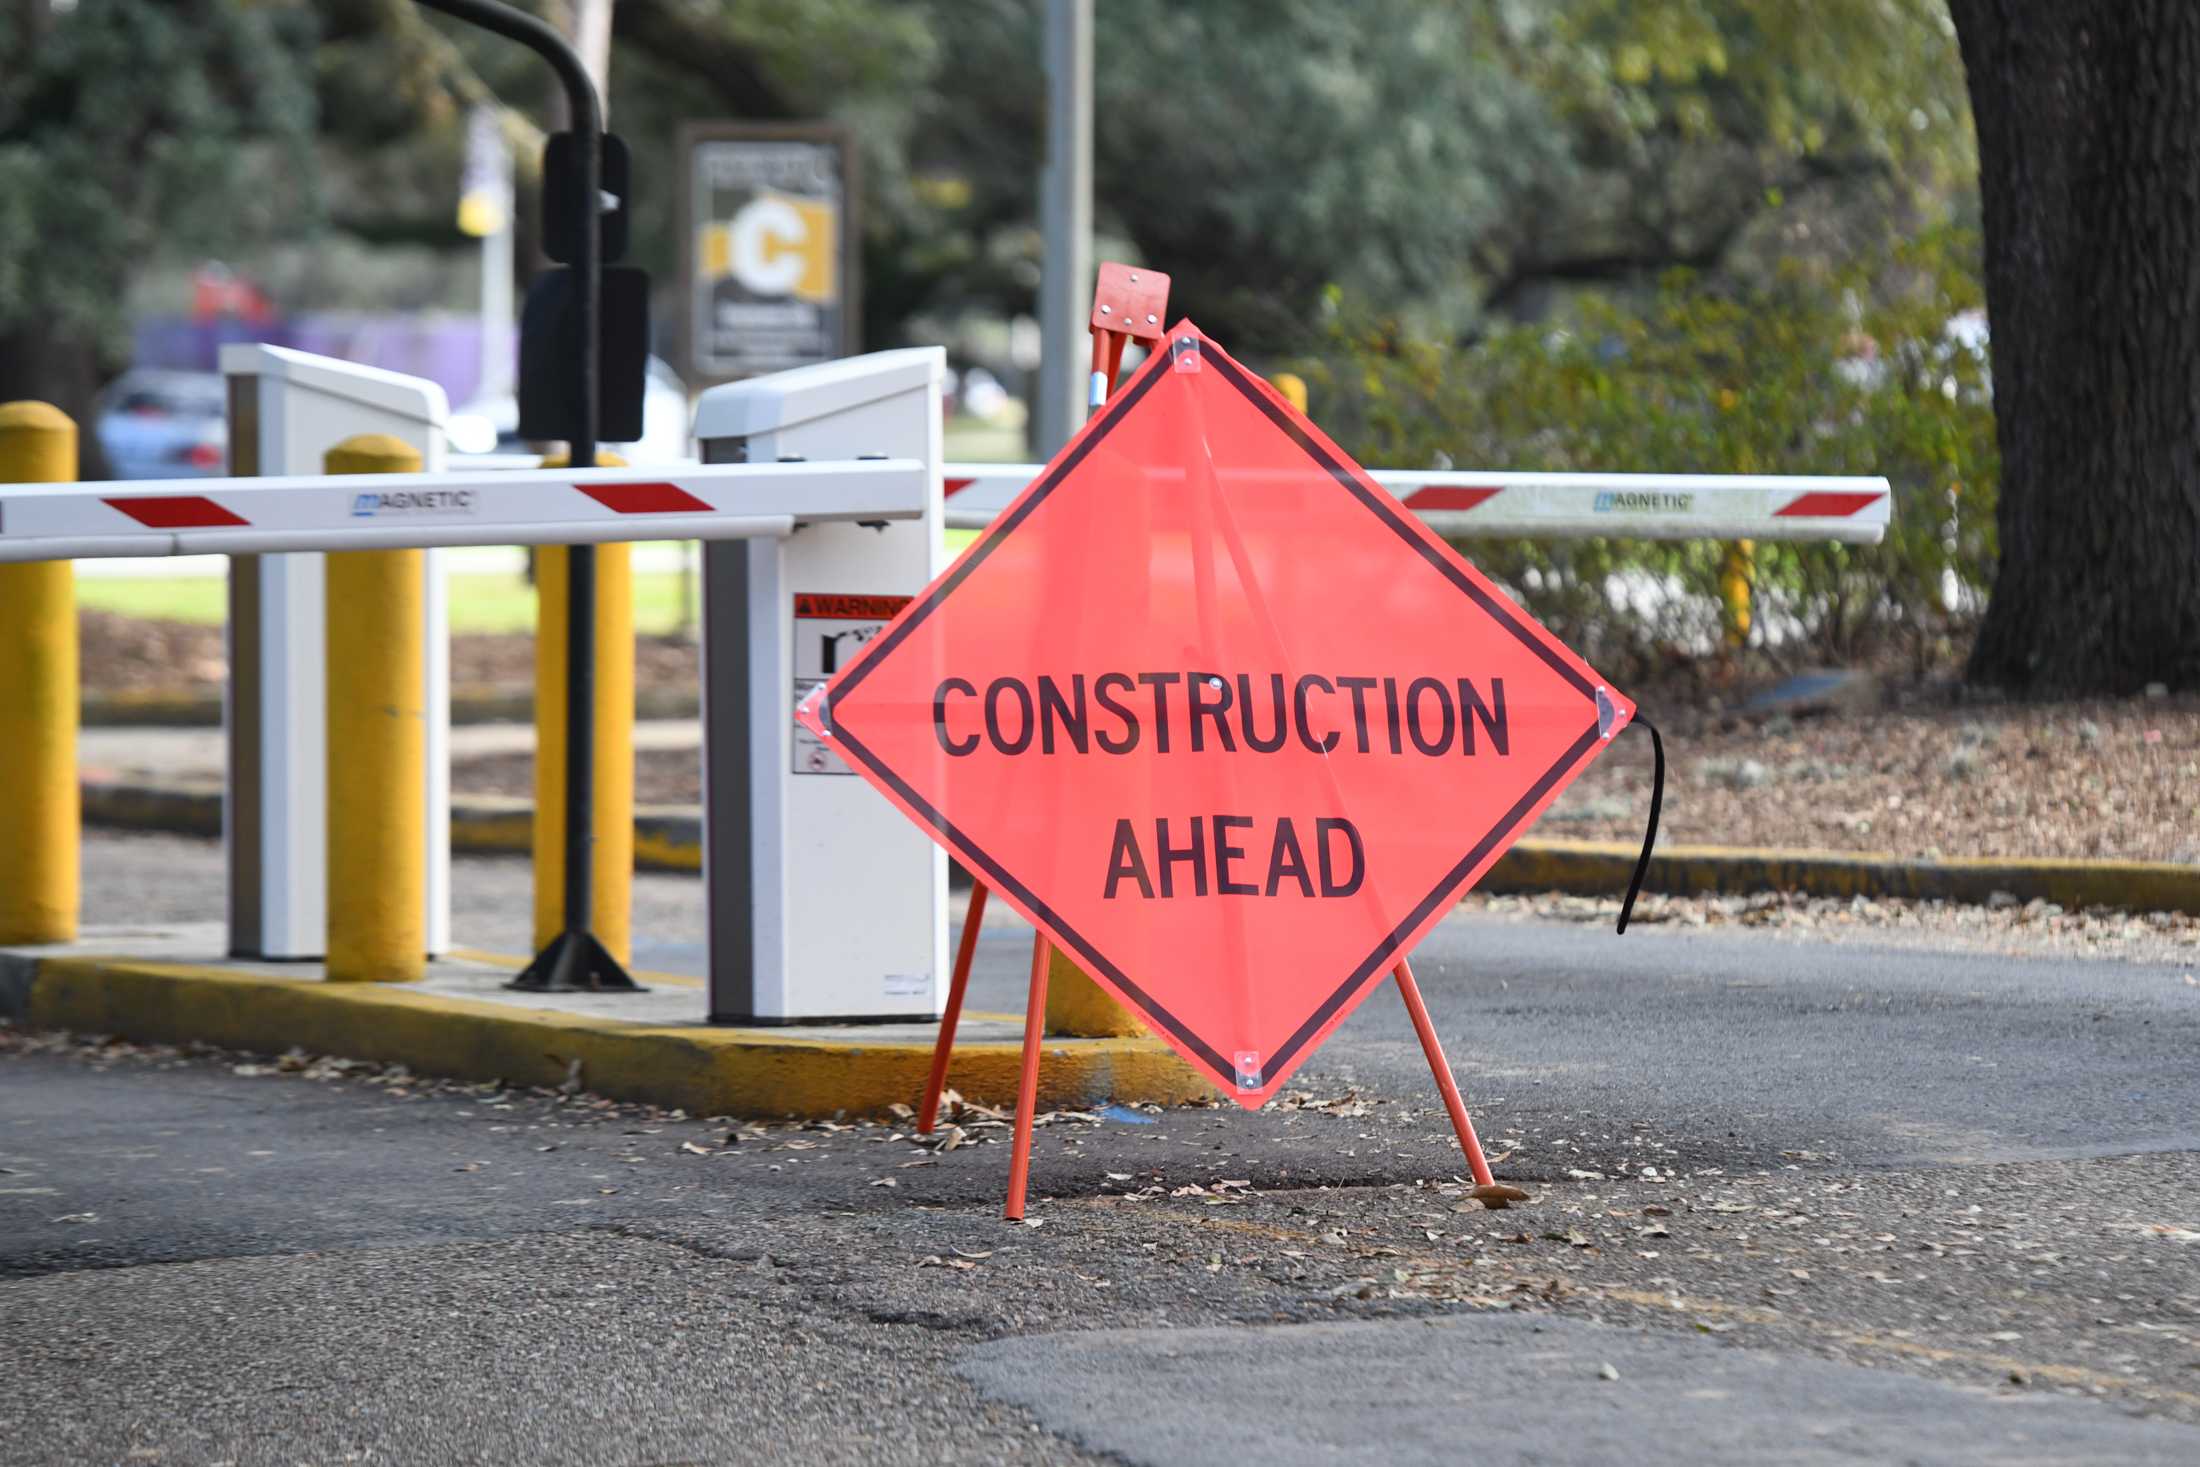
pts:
[833, 1270]
[2033, 929]
[1974, 1170]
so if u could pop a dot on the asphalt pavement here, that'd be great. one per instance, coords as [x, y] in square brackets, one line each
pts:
[1793, 1201]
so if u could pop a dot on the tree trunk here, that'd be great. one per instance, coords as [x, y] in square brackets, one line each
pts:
[37, 365]
[2088, 122]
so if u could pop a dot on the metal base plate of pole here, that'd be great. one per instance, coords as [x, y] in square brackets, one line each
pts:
[575, 962]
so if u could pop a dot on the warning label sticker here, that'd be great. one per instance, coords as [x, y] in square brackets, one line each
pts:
[828, 631]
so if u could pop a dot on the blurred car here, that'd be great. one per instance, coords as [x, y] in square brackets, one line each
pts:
[490, 425]
[162, 423]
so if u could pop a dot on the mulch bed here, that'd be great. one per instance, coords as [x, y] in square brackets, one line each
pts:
[127, 654]
[2114, 780]
[2117, 780]
[1938, 774]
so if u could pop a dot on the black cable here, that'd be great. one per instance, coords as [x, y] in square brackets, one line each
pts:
[1650, 834]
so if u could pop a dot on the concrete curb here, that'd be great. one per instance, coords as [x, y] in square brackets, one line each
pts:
[479, 704]
[669, 838]
[759, 1073]
[1599, 868]
[178, 808]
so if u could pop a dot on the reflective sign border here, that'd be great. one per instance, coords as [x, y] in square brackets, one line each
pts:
[1388, 951]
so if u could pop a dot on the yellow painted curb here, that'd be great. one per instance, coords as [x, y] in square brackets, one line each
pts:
[667, 838]
[704, 1070]
[1604, 867]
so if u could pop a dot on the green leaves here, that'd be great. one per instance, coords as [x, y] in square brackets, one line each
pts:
[1862, 370]
[135, 127]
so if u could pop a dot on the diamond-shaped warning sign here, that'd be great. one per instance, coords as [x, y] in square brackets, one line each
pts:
[1219, 715]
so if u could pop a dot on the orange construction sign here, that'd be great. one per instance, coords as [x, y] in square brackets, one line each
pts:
[1219, 716]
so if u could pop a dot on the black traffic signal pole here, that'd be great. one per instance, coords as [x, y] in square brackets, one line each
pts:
[574, 959]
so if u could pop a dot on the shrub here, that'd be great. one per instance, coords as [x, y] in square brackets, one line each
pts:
[1859, 371]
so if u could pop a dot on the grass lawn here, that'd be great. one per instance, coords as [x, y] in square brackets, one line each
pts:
[970, 441]
[479, 602]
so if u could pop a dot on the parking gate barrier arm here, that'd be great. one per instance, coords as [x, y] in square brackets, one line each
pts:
[155, 517]
[397, 511]
[1849, 509]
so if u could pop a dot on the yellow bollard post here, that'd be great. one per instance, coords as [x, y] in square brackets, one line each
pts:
[377, 745]
[39, 817]
[1077, 1005]
[1293, 388]
[1737, 575]
[612, 882]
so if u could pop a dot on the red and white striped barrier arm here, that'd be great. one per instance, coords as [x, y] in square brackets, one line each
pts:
[477, 507]
[1853, 510]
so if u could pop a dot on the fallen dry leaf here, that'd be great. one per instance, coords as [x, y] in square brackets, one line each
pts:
[1499, 1195]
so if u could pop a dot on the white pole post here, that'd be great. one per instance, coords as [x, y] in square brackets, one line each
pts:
[485, 209]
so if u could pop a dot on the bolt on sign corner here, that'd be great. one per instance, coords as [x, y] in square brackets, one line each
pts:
[1221, 717]
[771, 248]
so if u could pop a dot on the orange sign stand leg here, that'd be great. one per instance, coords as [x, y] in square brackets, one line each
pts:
[1117, 313]
[1434, 1049]
[941, 1048]
[1027, 1091]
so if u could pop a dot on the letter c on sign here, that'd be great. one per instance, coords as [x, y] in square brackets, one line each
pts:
[765, 245]
[955, 746]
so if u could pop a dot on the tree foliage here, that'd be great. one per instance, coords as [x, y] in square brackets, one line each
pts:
[130, 129]
[1727, 135]
[1456, 162]
[1441, 156]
